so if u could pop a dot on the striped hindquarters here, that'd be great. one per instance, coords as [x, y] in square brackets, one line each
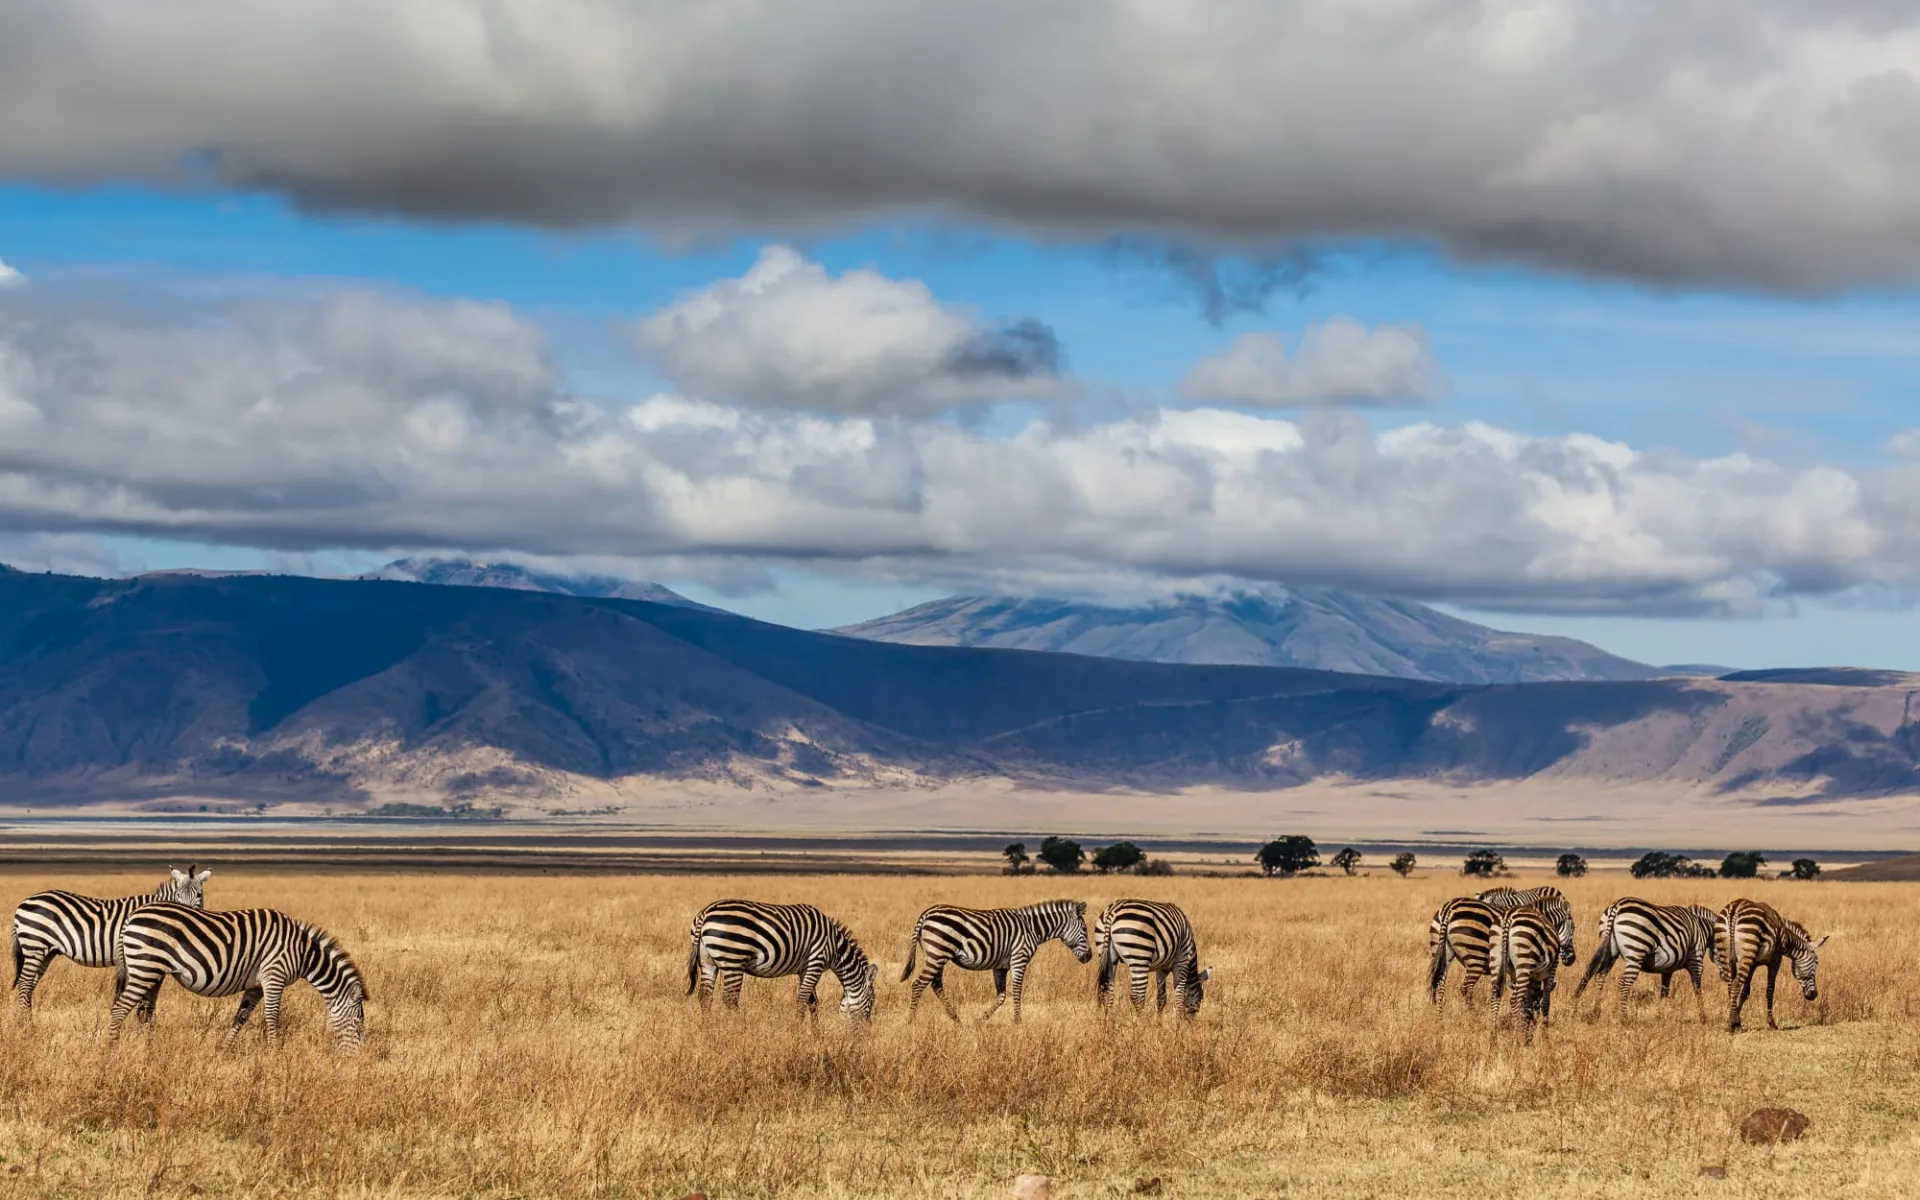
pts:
[1149, 936]
[1549, 900]
[1461, 931]
[1526, 958]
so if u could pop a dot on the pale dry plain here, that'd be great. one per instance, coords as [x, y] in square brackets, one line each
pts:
[529, 1036]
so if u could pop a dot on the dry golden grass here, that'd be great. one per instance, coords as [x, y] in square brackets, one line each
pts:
[529, 1036]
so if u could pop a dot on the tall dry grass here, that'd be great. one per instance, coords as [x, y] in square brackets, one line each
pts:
[530, 1037]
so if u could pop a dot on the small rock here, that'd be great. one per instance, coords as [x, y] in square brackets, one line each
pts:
[1033, 1187]
[1768, 1126]
[1715, 1171]
[1147, 1187]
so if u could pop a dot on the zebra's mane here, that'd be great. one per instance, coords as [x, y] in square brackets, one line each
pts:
[330, 945]
[1798, 931]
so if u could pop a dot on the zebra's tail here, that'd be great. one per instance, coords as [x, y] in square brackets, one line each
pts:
[19, 957]
[913, 948]
[1604, 955]
[1437, 969]
[693, 958]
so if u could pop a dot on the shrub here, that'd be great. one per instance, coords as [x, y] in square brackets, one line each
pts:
[1403, 863]
[1571, 866]
[1484, 864]
[1286, 855]
[1347, 859]
[1802, 868]
[1016, 856]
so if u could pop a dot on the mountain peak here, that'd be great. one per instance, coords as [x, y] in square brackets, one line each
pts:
[467, 572]
[1319, 628]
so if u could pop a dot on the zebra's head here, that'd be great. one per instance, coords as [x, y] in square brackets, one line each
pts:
[1072, 931]
[1196, 989]
[1802, 950]
[334, 974]
[856, 973]
[185, 887]
[1563, 920]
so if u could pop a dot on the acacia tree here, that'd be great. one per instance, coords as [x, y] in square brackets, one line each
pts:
[1287, 855]
[1572, 866]
[1120, 856]
[1016, 856]
[1742, 864]
[1403, 863]
[1062, 855]
[1659, 864]
[1803, 868]
[1485, 864]
[1347, 859]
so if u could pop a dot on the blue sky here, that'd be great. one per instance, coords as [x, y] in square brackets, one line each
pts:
[1700, 372]
[1570, 316]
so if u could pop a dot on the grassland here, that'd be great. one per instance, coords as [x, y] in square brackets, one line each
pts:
[529, 1036]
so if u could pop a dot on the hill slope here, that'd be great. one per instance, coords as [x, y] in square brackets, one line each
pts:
[268, 686]
[463, 572]
[1316, 628]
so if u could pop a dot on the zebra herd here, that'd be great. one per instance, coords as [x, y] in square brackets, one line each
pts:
[1518, 938]
[1521, 939]
[255, 954]
[731, 939]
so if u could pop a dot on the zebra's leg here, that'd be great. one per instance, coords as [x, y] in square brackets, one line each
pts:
[1137, 986]
[30, 962]
[133, 989]
[271, 987]
[1160, 991]
[928, 973]
[730, 981]
[939, 985]
[248, 1001]
[1699, 998]
[808, 995]
[1017, 981]
[1629, 975]
[999, 993]
[1470, 975]
[1737, 990]
[708, 974]
[1772, 971]
[1666, 984]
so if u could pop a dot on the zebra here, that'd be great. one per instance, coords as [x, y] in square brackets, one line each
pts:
[1462, 931]
[1151, 938]
[86, 929]
[1001, 939]
[1751, 935]
[1525, 957]
[732, 939]
[1643, 936]
[254, 953]
[1548, 900]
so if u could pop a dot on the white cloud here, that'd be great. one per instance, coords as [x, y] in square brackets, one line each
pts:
[1340, 362]
[1753, 141]
[788, 334]
[364, 421]
[10, 277]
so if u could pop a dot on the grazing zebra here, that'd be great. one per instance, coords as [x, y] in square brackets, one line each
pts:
[1155, 939]
[1525, 958]
[1752, 935]
[1462, 931]
[1643, 936]
[1545, 898]
[255, 953]
[1001, 939]
[85, 929]
[732, 939]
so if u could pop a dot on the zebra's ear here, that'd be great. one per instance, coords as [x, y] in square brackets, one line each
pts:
[200, 876]
[1206, 975]
[1082, 906]
[179, 876]
[1822, 941]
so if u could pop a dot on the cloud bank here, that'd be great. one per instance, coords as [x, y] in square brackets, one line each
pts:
[1769, 142]
[1340, 362]
[367, 420]
[789, 335]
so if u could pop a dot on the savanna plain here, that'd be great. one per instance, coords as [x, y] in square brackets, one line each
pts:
[531, 1036]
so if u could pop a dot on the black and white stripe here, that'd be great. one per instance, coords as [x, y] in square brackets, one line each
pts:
[86, 929]
[1525, 961]
[1642, 936]
[1151, 939]
[1002, 940]
[1548, 900]
[255, 954]
[1461, 931]
[732, 939]
[1752, 935]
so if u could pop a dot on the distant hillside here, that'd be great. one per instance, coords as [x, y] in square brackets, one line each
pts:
[271, 687]
[462, 572]
[1317, 628]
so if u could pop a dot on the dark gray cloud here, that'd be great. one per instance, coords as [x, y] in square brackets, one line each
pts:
[1023, 349]
[1764, 142]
